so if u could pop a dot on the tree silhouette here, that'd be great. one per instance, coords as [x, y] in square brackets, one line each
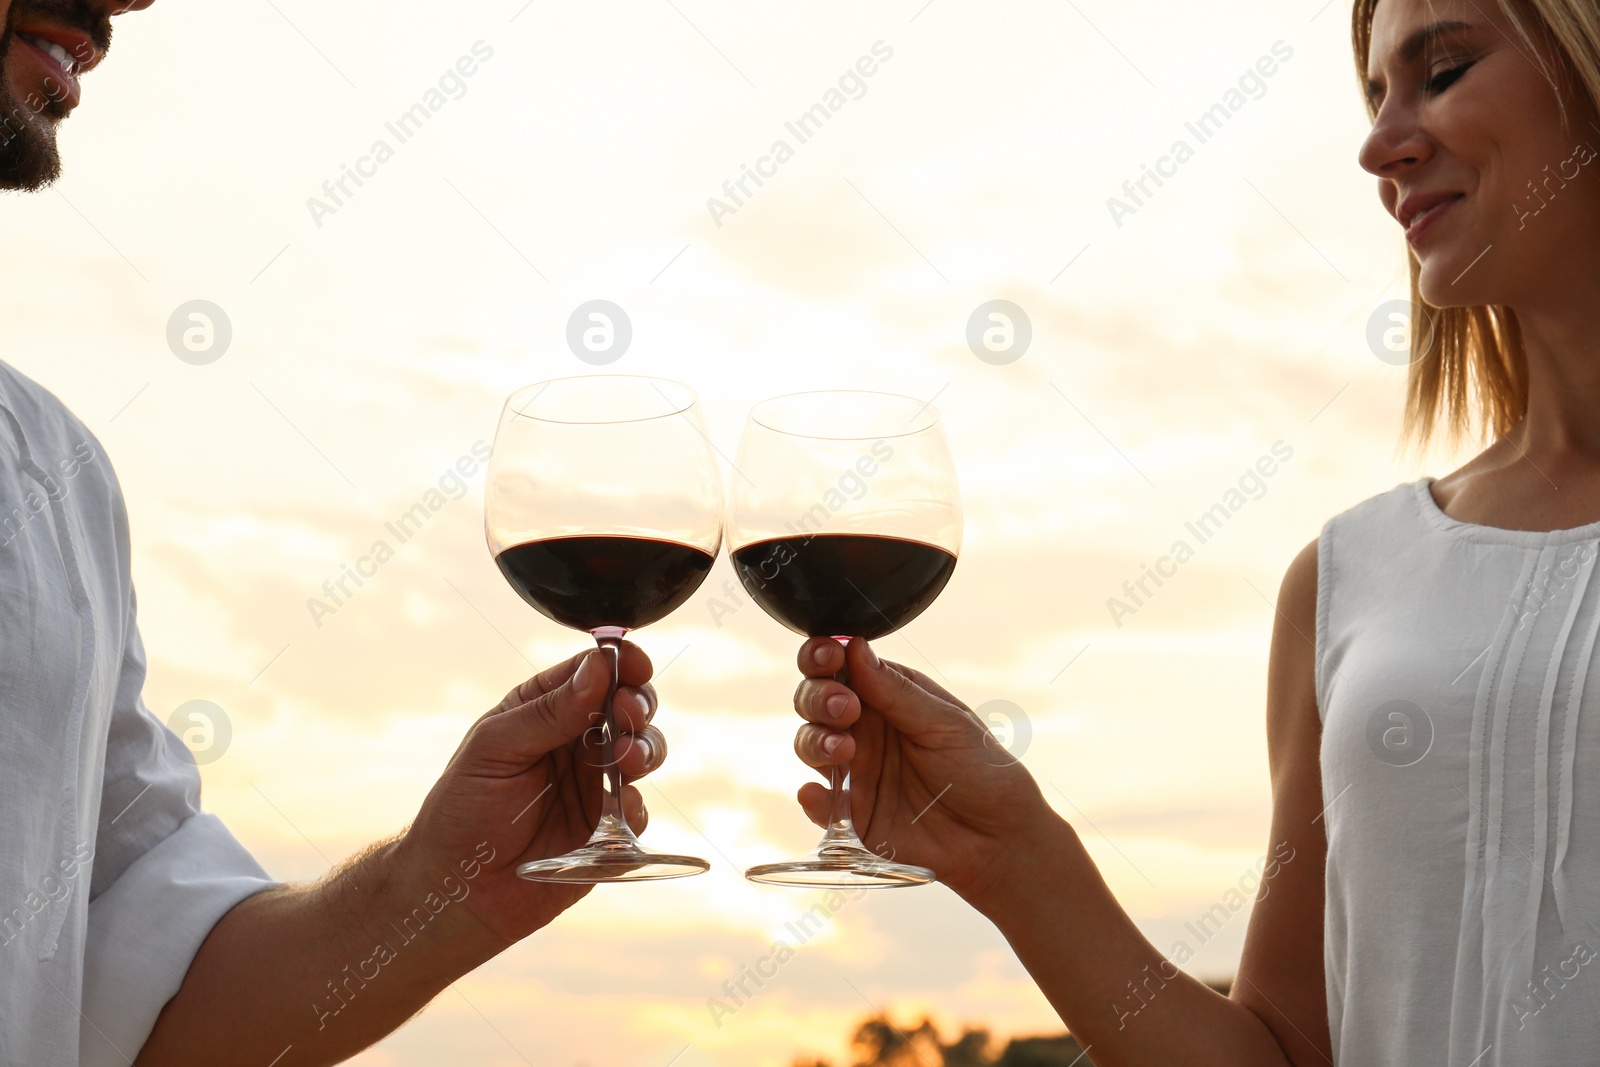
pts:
[878, 1042]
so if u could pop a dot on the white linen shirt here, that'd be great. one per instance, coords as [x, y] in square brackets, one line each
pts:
[110, 875]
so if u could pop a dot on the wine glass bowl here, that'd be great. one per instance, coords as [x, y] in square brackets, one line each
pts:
[618, 454]
[603, 510]
[845, 522]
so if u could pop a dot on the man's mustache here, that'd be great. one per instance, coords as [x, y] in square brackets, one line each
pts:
[71, 14]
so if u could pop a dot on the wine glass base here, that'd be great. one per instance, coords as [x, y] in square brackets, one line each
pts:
[594, 864]
[841, 867]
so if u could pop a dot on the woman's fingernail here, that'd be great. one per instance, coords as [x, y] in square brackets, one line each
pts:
[819, 655]
[643, 704]
[870, 656]
[831, 743]
[835, 706]
[648, 749]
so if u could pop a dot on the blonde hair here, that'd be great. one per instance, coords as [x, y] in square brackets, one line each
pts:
[1468, 371]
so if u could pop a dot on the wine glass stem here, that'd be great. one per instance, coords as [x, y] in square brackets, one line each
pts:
[613, 821]
[841, 828]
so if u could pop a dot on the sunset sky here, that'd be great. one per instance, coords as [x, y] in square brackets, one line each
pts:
[1179, 334]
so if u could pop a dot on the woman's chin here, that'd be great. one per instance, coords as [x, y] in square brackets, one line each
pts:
[1446, 281]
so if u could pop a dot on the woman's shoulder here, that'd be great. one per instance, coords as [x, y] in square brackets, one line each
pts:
[1381, 513]
[1297, 596]
[1300, 578]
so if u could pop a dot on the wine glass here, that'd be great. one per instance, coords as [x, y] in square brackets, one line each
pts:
[845, 522]
[603, 509]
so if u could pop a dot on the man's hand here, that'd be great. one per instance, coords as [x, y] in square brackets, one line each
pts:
[929, 784]
[526, 783]
[313, 974]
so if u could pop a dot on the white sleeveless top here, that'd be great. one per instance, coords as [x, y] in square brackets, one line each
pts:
[1461, 774]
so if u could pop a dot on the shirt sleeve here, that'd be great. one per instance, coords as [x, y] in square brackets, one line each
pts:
[164, 873]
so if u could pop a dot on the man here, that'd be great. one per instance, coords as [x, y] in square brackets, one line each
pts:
[134, 927]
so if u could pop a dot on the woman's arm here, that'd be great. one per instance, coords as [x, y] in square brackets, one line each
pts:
[928, 785]
[1281, 973]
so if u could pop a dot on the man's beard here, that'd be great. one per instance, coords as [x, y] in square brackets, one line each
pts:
[29, 156]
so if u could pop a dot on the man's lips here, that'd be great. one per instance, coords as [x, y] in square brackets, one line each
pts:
[55, 85]
[42, 83]
[61, 54]
[79, 46]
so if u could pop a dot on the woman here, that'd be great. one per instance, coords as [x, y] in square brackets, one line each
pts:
[1435, 887]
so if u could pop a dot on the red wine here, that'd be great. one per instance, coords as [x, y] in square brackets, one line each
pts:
[843, 585]
[589, 582]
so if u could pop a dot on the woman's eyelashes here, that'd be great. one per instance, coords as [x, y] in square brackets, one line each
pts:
[1441, 81]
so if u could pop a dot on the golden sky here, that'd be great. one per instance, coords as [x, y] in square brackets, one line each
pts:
[1175, 340]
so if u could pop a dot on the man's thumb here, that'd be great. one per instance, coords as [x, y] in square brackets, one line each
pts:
[526, 732]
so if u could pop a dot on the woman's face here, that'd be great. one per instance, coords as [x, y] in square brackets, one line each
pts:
[1465, 123]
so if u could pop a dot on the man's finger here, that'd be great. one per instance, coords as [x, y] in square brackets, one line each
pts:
[634, 669]
[523, 733]
[634, 707]
[640, 753]
[633, 809]
[538, 685]
[821, 748]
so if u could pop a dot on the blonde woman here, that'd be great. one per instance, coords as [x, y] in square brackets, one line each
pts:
[1433, 721]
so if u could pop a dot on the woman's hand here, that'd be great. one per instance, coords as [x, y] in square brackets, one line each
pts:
[929, 783]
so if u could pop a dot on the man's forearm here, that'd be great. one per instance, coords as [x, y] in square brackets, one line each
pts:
[313, 974]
